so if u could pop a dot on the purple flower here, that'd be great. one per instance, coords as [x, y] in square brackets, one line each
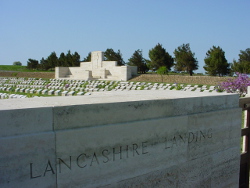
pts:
[237, 85]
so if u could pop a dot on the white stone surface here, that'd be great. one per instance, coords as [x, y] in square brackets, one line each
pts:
[248, 91]
[58, 92]
[121, 139]
[80, 93]
[51, 92]
[64, 93]
[71, 93]
[45, 91]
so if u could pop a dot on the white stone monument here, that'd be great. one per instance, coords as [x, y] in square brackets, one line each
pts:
[97, 69]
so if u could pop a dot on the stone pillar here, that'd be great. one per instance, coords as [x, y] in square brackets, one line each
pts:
[96, 59]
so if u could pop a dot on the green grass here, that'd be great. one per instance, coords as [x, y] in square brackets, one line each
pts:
[29, 95]
[180, 74]
[18, 68]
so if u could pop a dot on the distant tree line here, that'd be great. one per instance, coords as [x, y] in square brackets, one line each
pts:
[70, 60]
[52, 61]
[184, 60]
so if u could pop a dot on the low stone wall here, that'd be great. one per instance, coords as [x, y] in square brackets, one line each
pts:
[204, 80]
[28, 74]
[126, 139]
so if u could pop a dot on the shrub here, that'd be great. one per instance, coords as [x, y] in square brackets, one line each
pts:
[18, 63]
[14, 74]
[237, 85]
[178, 87]
[172, 87]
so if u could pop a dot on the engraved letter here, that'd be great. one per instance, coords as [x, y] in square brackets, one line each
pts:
[201, 134]
[48, 170]
[96, 159]
[77, 160]
[174, 141]
[60, 160]
[105, 155]
[127, 150]
[117, 153]
[31, 174]
[135, 146]
[190, 137]
[143, 145]
[197, 133]
[209, 133]
[183, 139]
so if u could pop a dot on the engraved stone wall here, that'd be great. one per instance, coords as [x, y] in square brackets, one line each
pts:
[179, 140]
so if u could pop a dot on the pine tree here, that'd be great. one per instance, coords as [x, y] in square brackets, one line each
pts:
[138, 60]
[243, 64]
[185, 60]
[216, 63]
[159, 57]
[111, 55]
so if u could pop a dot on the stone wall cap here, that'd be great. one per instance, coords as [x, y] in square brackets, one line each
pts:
[106, 97]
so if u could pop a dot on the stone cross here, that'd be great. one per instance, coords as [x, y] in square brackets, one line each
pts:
[96, 59]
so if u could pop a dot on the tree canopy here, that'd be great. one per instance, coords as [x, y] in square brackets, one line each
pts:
[216, 63]
[32, 64]
[111, 55]
[138, 60]
[88, 58]
[185, 60]
[243, 63]
[53, 61]
[159, 57]
[17, 63]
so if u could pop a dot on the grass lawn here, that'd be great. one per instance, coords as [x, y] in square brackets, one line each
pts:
[18, 68]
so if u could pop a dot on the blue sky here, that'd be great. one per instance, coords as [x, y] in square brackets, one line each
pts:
[35, 28]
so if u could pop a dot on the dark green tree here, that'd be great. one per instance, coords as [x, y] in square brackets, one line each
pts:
[17, 63]
[62, 62]
[111, 55]
[43, 65]
[52, 61]
[69, 59]
[243, 63]
[88, 58]
[216, 62]
[159, 57]
[138, 60]
[185, 60]
[32, 64]
[76, 59]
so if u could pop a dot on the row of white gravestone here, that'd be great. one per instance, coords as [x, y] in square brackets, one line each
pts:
[61, 87]
[56, 93]
[60, 84]
[103, 87]
[11, 96]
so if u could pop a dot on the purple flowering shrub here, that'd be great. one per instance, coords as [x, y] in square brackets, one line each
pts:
[236, 85]
[66, 85]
